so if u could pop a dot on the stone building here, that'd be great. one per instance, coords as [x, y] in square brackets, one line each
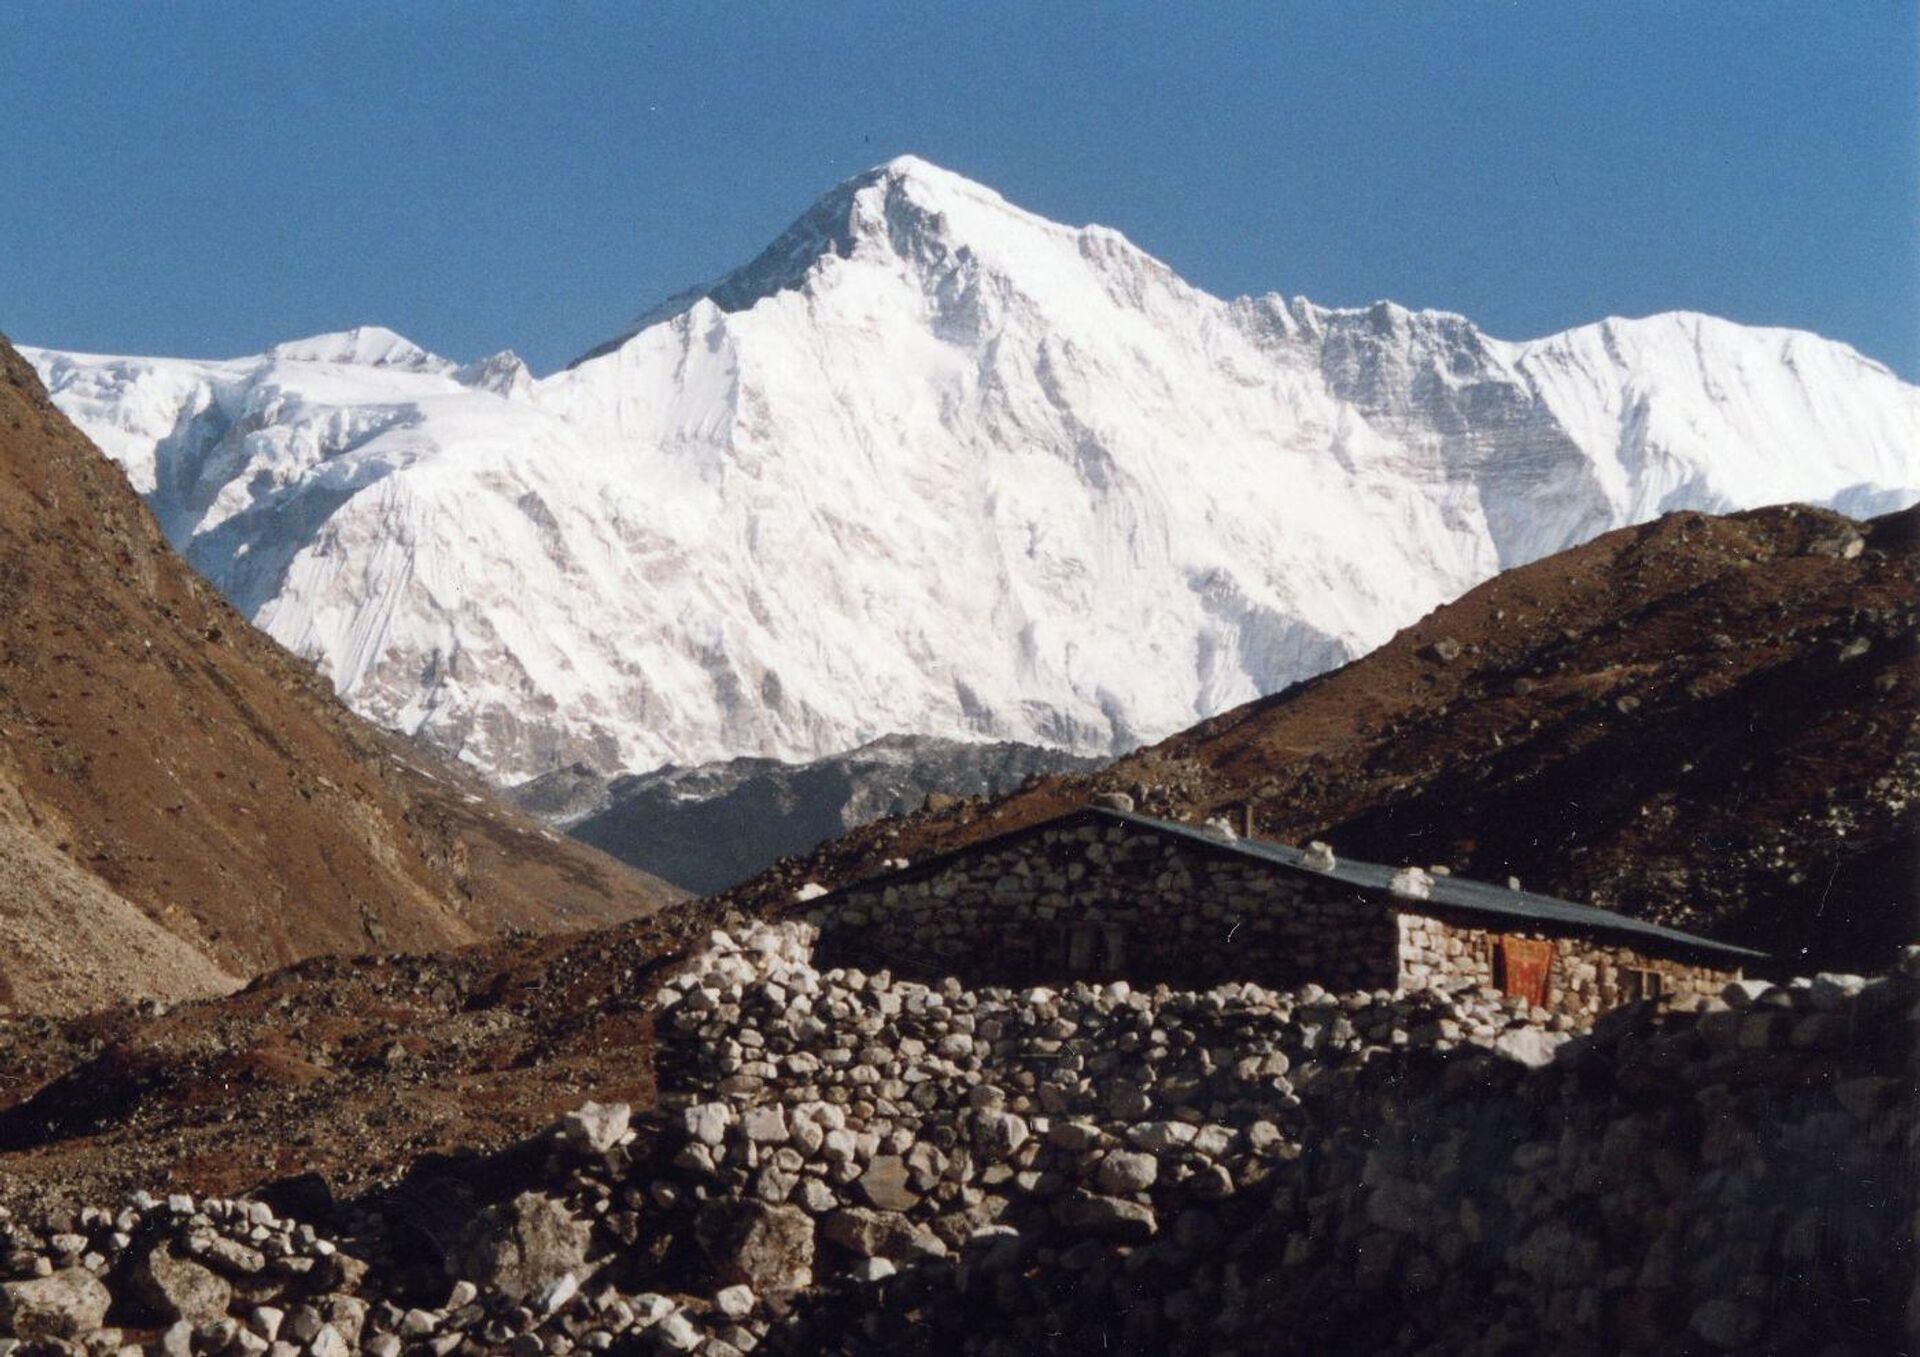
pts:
[1107, 894]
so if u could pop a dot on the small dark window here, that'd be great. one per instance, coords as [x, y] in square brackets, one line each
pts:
[1642, 983]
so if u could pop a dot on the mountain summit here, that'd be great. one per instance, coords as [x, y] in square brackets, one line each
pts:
[931, 464]
[907, 207]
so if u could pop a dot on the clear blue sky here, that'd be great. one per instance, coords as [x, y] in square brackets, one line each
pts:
[207, 179]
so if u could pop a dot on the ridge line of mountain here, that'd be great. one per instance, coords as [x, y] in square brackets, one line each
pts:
[1087, 505]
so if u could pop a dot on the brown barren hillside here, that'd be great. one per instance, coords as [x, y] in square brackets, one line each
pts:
[1705, 721]
[182, 803]
[350, 1068]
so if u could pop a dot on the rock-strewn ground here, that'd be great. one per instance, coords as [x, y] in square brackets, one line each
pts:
[348, 1067]
[840, 1161]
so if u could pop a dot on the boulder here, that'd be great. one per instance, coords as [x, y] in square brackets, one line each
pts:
[765, 1125]
[176, 1340]
[64, 1305]
[1411, 883]
[525, 1246]
[1124, 1172]
[878, 1234]
[1074, 1136]
[1106, 1217]
[707, 1123]
[1529, 1045]
[756, 1244]
[998, 1135]
[266, 1320]
[179, 1288]
[884, 1184]
[597, 1126]
[1158, 1137]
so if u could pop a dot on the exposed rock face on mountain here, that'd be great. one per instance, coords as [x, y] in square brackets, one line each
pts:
[934, 465]
[706, 828]
[1708, 722]
[182, 803]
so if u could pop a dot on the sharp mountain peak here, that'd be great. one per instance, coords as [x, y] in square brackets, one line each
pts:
[932, 464]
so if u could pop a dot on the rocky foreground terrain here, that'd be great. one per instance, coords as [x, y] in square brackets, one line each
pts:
[182, 803]
[1708, 722]
[349, 1068]
[840, 1161]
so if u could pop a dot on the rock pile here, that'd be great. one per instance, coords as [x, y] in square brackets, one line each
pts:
[180, 1271]
[843, 1161]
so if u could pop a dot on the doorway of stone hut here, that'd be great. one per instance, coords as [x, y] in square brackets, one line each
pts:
[1095, 949]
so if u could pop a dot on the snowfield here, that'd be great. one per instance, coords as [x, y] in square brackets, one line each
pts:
[934, 465]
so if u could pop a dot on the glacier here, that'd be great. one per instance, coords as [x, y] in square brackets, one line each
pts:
[934, 465]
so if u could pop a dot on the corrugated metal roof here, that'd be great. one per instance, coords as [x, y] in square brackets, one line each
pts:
[1456, 893]
[1448, 894]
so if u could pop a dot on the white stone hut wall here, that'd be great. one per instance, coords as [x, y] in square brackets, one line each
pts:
[1588, 976]
[1107, 901]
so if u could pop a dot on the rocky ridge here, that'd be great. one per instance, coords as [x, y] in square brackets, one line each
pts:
[845, 1162]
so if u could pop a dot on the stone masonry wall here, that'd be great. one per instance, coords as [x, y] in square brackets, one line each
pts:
[1588, 976]
[1112, 901]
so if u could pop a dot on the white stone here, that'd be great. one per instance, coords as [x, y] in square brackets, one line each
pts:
[707, 1122]
[598, 1126]
[1124, 1172]
[1411, 883]
[563, 1289]
[765, 1125]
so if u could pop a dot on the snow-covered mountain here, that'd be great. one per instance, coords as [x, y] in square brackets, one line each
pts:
[932, 464]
